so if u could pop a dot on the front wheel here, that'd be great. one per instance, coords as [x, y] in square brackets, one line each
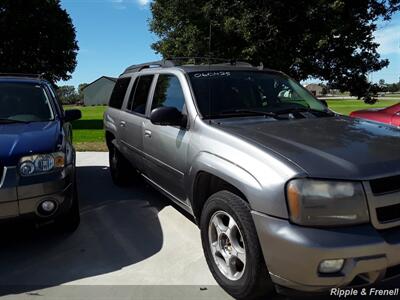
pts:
[232, 249]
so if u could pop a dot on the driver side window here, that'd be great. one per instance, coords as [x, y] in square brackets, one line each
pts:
[168, 93]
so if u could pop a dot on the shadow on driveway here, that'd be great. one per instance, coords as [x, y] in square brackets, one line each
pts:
[119, 227]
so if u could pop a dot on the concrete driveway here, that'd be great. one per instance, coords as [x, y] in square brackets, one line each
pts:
[131, 244]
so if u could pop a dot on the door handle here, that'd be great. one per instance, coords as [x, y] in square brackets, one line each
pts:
[147, 133]
[122, 123]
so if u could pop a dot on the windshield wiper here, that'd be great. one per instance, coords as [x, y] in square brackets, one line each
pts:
[303, 109]
[9, 121]
[246, 112]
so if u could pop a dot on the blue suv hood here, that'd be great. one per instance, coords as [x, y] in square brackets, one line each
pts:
[18, 140]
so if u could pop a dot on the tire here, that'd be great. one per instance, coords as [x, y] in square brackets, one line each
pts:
[69, 222]
[250, 278]
[120, 168]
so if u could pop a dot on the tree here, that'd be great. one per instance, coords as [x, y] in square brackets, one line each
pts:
[67, 94]
[331, 40]
[80, 90]
[392, 88]
[37, 36]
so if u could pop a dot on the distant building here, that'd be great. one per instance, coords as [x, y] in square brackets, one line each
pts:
[315, 89]
[99, 91]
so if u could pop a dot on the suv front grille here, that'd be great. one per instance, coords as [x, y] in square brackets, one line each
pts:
[385, 185]
[383, 196]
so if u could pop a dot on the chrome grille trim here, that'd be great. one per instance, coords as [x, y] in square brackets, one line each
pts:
[3, 176]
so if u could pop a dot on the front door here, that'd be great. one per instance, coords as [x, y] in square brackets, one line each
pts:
[166, 147]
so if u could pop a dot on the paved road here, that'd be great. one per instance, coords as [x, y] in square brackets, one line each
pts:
[131, 244]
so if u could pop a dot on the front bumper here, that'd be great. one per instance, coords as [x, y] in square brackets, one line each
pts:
[293, 253]
[21, 197]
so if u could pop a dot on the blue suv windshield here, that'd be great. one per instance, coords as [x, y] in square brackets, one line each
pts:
[220, 93]
[24, 102]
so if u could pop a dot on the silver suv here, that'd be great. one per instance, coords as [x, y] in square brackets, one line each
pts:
[286, 193]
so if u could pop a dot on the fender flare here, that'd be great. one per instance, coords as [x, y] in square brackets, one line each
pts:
[227, 170]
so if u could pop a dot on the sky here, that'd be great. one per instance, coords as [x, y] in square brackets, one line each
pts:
[114, 34]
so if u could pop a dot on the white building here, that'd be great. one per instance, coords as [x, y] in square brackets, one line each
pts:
[99, 91]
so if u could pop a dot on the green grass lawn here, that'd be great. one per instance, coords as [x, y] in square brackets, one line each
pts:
[89, 132]
[347, 106]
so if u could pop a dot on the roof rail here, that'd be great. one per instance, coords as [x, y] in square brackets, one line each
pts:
[154, 64]
[38, 76]
[209, 60]
[179, 61]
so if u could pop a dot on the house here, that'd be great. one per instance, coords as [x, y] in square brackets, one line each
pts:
[315, 89]
[99, 91]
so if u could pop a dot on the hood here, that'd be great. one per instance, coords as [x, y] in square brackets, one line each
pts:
[333, 147]
[17, 140]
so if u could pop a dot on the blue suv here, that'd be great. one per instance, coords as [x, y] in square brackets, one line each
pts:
[37, 159]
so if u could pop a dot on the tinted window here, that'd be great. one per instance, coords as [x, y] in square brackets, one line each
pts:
[132, 95]
[119, 91]
[168, 93]
[218, 92]
[141, 94]
[24, 102]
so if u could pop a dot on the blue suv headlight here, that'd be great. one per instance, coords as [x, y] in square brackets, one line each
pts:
[41, 163]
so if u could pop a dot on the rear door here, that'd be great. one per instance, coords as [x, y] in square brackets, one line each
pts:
[166, 147]
[134, 118]
[115, 117]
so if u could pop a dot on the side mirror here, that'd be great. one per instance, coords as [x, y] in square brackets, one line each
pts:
[324, 102]
[72, 115]
[167, 116]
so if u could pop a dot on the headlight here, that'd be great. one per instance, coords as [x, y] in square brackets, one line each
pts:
[41, 163]
[326, 203]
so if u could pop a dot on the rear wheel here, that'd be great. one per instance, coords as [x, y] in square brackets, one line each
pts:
[232, 249]
[120, 168]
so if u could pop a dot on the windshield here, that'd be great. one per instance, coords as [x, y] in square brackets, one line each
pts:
[221, 92]
[24, 102]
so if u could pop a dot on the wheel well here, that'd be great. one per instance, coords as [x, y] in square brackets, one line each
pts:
[207, 184]
[109, 138]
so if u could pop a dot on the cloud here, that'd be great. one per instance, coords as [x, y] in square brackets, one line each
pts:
[123, 4]
[389, 39]
[143, 2]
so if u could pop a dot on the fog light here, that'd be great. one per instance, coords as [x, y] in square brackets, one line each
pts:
[331, 265]
[48, 206]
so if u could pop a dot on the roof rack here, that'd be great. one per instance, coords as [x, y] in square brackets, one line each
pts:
[179, 61]
[154, 64]
[198, 60]
[38, 76]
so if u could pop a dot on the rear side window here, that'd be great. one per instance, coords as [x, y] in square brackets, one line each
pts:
[141, 94]
[119, 91]
[132, 95]
[168, 93]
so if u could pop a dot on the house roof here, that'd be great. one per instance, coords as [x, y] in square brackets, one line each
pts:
[313, 86]
[106, 77]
